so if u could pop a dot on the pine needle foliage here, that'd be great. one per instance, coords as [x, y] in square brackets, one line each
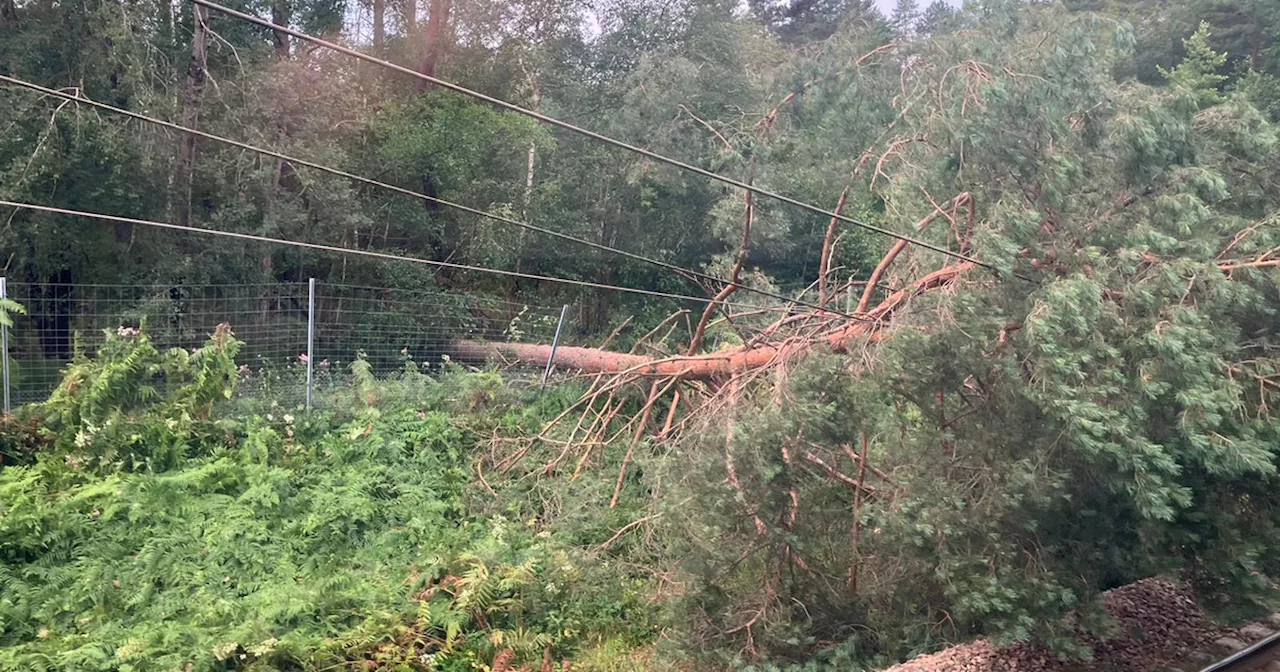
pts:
[1040, 441]
[1200, 69]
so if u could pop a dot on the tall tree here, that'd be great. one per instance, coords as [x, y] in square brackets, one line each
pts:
[810, 20]
[905, 15]
[1199, 71]
[379, 24]
[409, 17]
[192, 101]
[939, 18]
[434, 40]
[282, 15]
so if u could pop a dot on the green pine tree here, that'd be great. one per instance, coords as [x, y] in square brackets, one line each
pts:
[1198, 71]
[939, 18]
[905, 15]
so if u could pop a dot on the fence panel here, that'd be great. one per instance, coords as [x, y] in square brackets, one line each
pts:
[386, 327]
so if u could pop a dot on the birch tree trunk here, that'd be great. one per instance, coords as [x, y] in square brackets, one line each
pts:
[535, 103]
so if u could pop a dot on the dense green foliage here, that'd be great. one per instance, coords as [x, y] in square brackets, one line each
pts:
[693, 79]
[1009, 446]
[151, 534]
[1041, 442]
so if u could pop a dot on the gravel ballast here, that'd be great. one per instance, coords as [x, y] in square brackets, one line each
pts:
[1160, 628]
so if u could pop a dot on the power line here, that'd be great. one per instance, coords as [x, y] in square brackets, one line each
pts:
[597, 136]
[364, 253]
[77, 98]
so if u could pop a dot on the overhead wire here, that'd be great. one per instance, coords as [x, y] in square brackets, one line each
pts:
[77, 98]
[682, 165]
[365, 253]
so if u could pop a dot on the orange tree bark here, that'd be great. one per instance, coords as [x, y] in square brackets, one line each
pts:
[595, 360]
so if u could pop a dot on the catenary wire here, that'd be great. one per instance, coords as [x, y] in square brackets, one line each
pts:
[408, 192]
[363, 253]
[598, 136]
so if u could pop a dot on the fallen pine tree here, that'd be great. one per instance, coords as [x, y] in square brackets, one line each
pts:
[1006, 449]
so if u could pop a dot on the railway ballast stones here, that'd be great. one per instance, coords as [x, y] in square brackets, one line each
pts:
[1160, 627]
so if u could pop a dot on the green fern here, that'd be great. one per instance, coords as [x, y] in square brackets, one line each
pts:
[156, 533]
[7, 308]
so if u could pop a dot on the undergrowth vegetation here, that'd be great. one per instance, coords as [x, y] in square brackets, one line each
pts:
[155, 517]
[150, 519]
[966, 454]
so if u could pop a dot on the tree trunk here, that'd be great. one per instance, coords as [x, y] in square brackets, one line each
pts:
[828, 250]
[535, 102]
[437, 22]
[282, 15]
[191, 101]
[409, 12]
[695, 367]
[379, 24]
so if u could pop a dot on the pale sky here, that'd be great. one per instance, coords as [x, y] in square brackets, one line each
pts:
[360, 30]
[886, 6]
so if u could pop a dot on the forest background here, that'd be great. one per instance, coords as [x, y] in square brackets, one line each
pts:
[995, 449]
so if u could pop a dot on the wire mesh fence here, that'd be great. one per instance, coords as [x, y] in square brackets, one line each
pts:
[385, 327]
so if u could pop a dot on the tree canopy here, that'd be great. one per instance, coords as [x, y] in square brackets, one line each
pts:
[959, 452]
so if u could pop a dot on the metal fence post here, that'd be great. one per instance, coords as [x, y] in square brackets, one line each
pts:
[555, 343]
[4, 348]
[311, 333]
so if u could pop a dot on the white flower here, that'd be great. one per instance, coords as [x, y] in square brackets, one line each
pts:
[225, 650]
[85, 435]
[267, 646]
[288, 419]
[444, 358]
